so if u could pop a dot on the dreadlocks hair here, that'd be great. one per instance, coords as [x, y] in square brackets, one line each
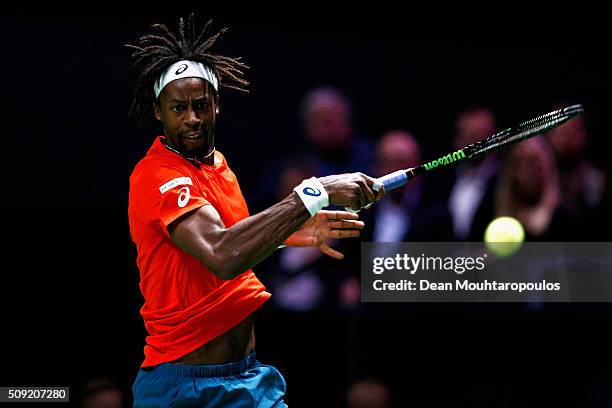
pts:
[156, 51]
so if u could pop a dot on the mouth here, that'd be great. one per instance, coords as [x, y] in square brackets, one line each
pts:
[193, 135]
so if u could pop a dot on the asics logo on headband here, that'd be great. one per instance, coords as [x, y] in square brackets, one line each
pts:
[181, 69]
[185, 69]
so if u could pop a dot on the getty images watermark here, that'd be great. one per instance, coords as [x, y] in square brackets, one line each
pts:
[470, 272]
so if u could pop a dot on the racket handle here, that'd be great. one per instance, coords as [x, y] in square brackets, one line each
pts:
[390, 181]
[393, 180]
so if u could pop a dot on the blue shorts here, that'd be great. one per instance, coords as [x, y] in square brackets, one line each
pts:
[245, 383]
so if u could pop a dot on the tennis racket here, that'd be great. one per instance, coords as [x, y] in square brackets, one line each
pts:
[525, 130]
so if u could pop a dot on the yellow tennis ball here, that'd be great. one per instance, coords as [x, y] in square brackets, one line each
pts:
[504, 236]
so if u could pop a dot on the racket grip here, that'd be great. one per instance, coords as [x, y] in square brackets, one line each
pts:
[394, 180]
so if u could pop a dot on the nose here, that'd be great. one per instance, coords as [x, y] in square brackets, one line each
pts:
[192, 117]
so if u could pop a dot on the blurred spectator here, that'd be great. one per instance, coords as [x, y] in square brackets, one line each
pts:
[580, 181]
[305, 285]
[102, 393]
[528, 190]
[300, 278]
[404, 214]
[598, 223]
[368, 394]
[474, 182]
[332, 143]
[396, 150]
[327, 120]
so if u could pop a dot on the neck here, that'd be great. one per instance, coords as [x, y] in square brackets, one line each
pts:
[208, 156]
[204, 156]
[209, 159]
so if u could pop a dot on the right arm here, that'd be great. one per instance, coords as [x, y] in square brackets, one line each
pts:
[228, 252]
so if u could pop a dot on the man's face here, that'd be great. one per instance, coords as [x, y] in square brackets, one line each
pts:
[328, 123]
[532, 169]
[188, 110]
[472, 127]
[397, 150]
[568, 141]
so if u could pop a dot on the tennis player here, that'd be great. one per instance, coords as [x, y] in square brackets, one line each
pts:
[195, 239]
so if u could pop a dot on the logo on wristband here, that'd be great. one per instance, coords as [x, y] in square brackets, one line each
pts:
[312, 191]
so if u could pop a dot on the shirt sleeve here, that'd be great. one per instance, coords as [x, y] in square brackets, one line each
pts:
[168, 193]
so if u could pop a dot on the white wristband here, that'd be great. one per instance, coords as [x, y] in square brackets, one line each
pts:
[313, 195]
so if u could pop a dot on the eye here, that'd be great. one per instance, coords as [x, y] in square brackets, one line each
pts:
[201, 105]
[177, 108]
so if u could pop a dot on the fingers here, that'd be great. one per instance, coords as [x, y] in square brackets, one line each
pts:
[368, 183]
[373, 190]
[360, 195]
[344, 233]
[381, 193]
[378, 188]
[342, 220]
[346, 224]
[330, 252]
[339, 215]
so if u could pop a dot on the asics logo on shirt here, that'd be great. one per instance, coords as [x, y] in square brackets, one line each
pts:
[183, 197]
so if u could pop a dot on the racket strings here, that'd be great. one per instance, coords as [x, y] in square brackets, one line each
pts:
[554, 116]
[528, 128]
[530, 124]
[521, 133]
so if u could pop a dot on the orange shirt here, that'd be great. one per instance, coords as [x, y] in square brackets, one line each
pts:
[185, 305]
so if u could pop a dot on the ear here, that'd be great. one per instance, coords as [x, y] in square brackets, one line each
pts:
[157, 110]
[217, 104]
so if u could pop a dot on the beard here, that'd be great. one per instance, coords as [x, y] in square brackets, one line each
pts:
[205, 143]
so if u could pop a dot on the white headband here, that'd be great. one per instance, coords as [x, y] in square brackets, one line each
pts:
[185, 69]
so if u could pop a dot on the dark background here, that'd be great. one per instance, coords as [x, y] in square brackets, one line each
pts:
[70, 299]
